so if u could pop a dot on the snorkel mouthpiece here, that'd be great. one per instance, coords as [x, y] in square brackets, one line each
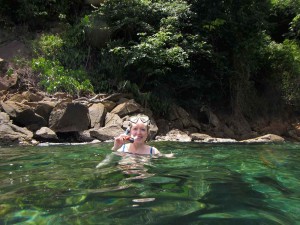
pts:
[128, 138]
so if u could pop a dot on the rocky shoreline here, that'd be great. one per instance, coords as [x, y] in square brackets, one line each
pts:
[29, 116]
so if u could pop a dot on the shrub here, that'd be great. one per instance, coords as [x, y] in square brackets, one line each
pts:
[54, 77]
[284, 59]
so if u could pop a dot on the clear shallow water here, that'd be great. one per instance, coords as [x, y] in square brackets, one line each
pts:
[207, 184]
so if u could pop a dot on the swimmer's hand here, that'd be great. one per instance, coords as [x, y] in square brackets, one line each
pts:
[120, 140]
[170, 155]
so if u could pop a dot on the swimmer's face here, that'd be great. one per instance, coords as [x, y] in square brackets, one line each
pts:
[139, 131]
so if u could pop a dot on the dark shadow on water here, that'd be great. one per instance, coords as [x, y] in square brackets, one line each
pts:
[231, 201]
[274, 184]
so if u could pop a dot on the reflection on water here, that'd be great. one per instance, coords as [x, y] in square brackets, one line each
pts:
[203, 184]
[136, 166]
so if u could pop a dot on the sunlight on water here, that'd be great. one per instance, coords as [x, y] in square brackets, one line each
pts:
[203, 184]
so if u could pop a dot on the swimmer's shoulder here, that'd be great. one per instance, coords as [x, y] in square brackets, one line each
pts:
[155, 151]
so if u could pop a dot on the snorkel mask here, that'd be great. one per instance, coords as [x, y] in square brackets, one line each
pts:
[144, 119]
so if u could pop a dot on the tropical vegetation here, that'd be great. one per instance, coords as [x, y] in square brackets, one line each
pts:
[239, 56]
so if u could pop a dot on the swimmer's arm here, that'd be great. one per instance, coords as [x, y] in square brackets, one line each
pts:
[118, 142]
[170, 155]
[158, 153]
[117, 149]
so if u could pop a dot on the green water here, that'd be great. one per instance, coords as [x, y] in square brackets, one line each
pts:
[203, 184]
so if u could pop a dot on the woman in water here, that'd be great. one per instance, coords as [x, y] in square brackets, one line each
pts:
[138, 130]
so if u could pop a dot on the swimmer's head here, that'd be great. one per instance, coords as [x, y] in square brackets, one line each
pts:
[140, 118]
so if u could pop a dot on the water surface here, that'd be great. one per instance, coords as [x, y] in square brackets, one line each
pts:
[207, 184]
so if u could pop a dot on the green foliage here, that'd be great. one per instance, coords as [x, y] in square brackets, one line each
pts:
[295, 27]
[156, 54]
[158, 49]
[68, 47]
[108, 72]
[74, 52]
[55, 77]
[234, 31]
[211, 52]
[281, 16]
[128, 18]
[285, 64]
[58, 61]
[160, 105]
[48, 46]
[10, 72]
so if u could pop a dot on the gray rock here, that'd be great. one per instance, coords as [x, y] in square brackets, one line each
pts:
[199, 136]
[175, 135]
[23, 115]
[45, 134]
[127, 108]
[218, 140]
[97, 114]
[85, 136]
[106, 133]
[10, 133]
[44, 109]
[33, 97]
[69, 117]
[113, 119]
[265, 138]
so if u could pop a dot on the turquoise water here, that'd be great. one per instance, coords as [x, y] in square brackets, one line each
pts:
[207, 184]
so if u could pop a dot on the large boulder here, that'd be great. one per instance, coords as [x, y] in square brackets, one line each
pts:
[181, 119]
[45, 134]
[69, 117]
[17, 98]
[85, 136]
[127, 108]
[112, 119]
[10, 133]
[199, 136]
[163, 126]
[44, 109]
[109, 105]
[97, 114]
[106, 133]
[33, 97]
[23, 115]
